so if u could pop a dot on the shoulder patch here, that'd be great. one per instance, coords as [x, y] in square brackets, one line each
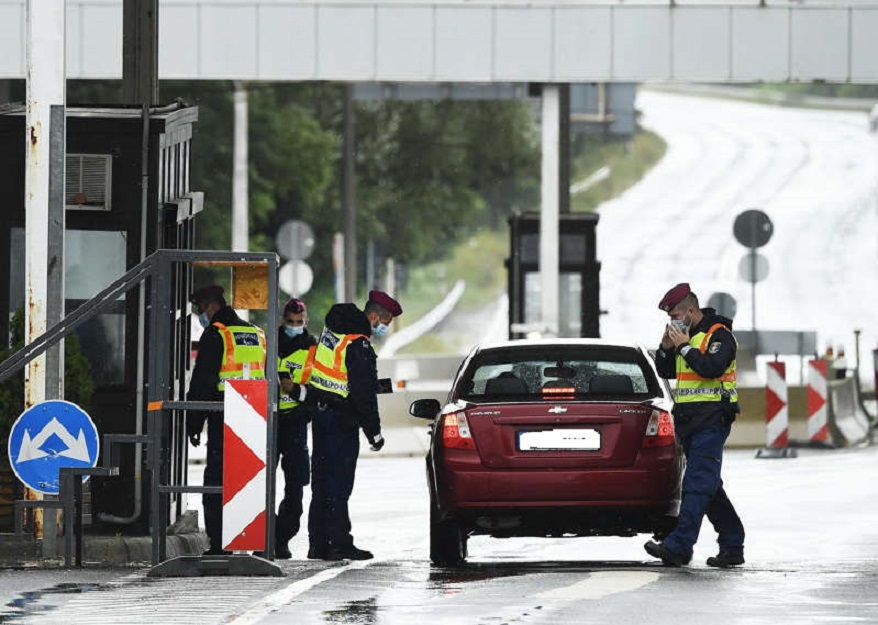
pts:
[714, 347]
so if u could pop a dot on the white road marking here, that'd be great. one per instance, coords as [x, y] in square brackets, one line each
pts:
[262, 608]
[600, 585]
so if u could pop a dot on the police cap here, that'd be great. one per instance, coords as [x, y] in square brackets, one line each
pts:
[385, 301]
[673, 297]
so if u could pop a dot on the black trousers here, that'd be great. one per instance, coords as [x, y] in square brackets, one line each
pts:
[292, 447]
[333, 468]
[213, 476]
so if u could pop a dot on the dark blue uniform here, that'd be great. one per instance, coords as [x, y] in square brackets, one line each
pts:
[292, 447]
[702, 429]
[335, 433]
[203, 387]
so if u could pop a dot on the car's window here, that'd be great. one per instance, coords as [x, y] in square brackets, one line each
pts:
[563, 372]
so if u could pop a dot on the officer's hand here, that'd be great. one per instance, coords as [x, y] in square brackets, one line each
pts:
[677, 336]
[286, 384]
[376, 442]
[298, 392]
[667, 343]
[195, 439]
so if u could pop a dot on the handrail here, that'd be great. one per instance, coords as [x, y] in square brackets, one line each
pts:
[140, 272]
[35, 348]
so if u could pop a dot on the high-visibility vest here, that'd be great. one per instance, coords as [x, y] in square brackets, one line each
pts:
[330, 373]
[243, 353]
[299, 366]
[692, 388]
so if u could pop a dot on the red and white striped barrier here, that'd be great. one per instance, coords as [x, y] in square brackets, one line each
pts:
[817, 390]
[244, 469]
[776, 405]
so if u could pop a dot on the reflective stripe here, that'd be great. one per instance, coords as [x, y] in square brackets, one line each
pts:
[729, 376]
[331, 348]
[302, 362]
[338, 371]
[692, 387]
[235, 365]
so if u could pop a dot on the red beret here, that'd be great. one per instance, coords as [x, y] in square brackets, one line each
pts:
[212, 293]
[674, 297]
[384, 300]
[295, 306]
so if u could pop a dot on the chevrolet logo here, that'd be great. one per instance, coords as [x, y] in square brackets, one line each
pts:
[557, 410]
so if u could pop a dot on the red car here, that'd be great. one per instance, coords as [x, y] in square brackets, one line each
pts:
[558, 437]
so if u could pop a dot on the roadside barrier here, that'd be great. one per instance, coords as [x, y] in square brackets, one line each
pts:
[848, 423]
[817, 401]
[244, 467]
[777, 437]
[776, 406]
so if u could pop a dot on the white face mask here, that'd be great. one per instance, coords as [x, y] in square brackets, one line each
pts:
[380, 330]
[293, 331]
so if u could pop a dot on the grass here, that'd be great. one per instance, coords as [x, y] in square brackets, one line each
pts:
[479, 260]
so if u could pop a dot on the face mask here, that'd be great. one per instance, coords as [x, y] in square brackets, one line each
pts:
[204, 320]
[380, 330]
[292, 331]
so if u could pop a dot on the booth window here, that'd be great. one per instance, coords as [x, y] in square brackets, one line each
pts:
[93, 259]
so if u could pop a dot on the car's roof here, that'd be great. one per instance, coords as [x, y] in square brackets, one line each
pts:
[557, 342]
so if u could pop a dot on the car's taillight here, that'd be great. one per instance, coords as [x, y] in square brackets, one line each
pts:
[659, 430]
[455, 432]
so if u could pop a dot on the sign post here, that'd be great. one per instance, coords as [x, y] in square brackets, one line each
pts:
[753, 229]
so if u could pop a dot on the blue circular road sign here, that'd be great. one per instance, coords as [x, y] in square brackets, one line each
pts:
[48, 437]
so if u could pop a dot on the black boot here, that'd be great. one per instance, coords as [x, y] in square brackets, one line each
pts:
[726, 559]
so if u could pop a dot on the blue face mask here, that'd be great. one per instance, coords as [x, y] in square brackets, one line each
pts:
[380, 330]
[293, 331]
[204, 320]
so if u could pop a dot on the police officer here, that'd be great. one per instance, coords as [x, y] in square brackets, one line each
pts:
[296, 349]
[345, 372]
[229, 349]
[698, 349]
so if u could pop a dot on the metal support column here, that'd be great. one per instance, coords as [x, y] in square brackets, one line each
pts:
[549, 272]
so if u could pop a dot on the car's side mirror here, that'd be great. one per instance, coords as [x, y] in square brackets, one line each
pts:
[425, 408]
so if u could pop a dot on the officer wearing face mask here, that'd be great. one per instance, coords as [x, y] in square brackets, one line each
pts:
[229, 348]
[699, 351]
[345, 372]
[296, 349]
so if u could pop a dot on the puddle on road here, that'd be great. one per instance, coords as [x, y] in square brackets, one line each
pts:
[36, 602]
[363, 612]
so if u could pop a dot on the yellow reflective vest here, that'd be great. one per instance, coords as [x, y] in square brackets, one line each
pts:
[330, 372]
[692, 388]
[243, 353]
[299, 365]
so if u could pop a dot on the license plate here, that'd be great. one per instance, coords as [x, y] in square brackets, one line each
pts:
[559, 439]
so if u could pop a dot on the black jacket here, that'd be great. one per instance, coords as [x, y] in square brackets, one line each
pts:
[362, 365]
[205, 373]
[720, 353]
[287, 345]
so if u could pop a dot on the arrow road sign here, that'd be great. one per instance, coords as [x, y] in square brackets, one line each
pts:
[48, 437]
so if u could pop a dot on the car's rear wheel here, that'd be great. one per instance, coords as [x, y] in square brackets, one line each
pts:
[447, 540]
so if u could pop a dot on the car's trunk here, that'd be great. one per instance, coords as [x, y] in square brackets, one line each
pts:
[561, 435]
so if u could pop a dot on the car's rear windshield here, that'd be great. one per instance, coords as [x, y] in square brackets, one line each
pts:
[558, 373]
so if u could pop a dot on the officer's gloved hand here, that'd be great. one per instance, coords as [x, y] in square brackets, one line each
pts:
[376, 442]
[298, 392]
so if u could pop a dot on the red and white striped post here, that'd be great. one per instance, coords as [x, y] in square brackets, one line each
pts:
[244, 468]
[817, 389]
[776, 406]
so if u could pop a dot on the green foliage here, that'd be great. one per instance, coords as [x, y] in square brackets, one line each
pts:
[78, 384]
[428, 173]
[628, 160]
